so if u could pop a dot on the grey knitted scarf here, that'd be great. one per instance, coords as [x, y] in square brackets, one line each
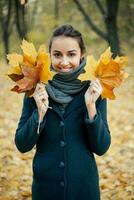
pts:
[64, 86]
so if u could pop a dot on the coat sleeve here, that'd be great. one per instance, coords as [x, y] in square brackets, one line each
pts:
[98, 134]
[26, 134]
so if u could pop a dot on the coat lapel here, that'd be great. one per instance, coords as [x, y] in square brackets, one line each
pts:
[76, 103]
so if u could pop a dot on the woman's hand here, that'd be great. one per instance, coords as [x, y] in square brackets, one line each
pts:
[41, 98]
[91, 95]
[93, 92]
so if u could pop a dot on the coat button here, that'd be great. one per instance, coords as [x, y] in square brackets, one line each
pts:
[62, 143]
[61, 123]
[62, 164]
[62, 183]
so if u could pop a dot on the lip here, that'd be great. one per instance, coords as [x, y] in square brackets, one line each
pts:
[66, 69]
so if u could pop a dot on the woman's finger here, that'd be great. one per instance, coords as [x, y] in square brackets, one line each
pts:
[39, 87]
[43, 94]
[43, 99]
[96, 83]
[95, 88]
[40, 91]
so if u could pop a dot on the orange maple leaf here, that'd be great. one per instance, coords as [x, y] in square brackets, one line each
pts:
[31, 77]
[30, 68]
[109, 71]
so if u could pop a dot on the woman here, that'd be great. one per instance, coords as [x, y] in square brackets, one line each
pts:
[64, 167]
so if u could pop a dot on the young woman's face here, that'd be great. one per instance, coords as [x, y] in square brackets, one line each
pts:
[65, 54]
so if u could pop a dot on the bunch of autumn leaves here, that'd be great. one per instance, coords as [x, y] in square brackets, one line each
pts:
[33, 66]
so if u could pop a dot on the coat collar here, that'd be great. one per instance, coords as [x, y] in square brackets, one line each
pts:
[76, 103]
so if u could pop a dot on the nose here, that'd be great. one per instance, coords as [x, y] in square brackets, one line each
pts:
[64, 62]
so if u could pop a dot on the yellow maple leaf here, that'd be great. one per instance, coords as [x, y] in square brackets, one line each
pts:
[14, 70]
[29, 61]
[44, 63]
[106, 56]
[42, 49]
[14, 59]
[34, 67]
[90, 69]
[122, 60]
[109, 71]
[29, 49]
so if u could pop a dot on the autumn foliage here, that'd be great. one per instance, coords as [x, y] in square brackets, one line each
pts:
[32, 67]
[28, 69]
[109, 71]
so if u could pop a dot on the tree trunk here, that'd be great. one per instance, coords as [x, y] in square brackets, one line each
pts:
[5, 20]
[6, 42]
[111, 25]
[90, 22]
[20, 19]
[56, 11]
[110, 19]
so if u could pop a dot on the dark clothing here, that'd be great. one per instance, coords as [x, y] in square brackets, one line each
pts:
[64, 166]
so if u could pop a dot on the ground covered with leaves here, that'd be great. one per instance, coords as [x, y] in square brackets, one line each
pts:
[115, 167]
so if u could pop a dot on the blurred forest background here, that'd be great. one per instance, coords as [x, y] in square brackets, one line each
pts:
[102, 23]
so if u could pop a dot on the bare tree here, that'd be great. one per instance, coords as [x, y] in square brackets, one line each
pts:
[12, 13]
[109, 14]
[6, 22]
[56, 11]
[20, 21]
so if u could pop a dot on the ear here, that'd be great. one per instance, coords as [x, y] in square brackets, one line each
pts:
[82, 57]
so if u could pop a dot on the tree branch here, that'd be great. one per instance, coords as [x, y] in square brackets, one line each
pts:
[98, 3]
[112, 7]
[89, 21]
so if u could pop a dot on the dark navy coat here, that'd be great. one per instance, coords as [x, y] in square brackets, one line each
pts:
[64, 166]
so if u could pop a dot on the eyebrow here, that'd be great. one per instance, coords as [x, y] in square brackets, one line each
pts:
[68, 51]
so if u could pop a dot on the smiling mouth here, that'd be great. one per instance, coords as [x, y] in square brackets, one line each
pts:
[65, 69]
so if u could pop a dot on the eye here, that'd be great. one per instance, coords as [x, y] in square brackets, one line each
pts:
[72, 54]
[57, 55]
